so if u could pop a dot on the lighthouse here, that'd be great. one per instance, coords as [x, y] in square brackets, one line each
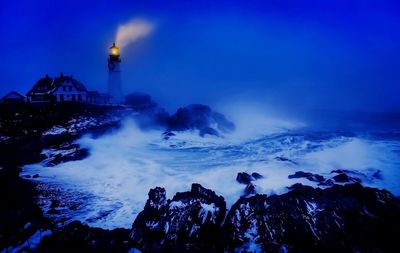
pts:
[114, 75]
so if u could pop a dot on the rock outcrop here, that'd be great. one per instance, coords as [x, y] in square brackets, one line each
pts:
[77, 237]
[348, 218]
[247, 179]
[190, 222]
[202, 118]
[310, 176]
[341, 218]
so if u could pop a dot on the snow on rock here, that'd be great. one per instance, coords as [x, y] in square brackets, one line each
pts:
[310, 219]
[81, 124]
[4, 138]
[65, 152]
[55, 130]
[191, 221]
[208, 211]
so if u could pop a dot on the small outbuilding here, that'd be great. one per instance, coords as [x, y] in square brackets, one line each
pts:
[13, 98]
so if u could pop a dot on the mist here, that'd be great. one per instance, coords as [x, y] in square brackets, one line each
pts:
[132, 31]
[287, 56]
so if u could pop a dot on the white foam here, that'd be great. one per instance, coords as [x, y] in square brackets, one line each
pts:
[125, 164]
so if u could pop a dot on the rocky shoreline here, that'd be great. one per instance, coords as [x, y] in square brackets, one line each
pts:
[341, 216]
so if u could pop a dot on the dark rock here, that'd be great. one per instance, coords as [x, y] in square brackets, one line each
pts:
[76, 237]
[66, 153]
[199, 117]
[250, 189]
[53, 211]
[168, 134]
[190, 222]
[378, 175]
[339, 171]
[35, 176]
[244, 178]
[328, 182]
[342, 178]
[284, 159]
[310, 176]
[54, 203]
[73, 206]
[20, 216]
[256, 175]
[342, 218]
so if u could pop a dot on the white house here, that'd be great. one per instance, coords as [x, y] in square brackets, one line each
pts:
[64, 89]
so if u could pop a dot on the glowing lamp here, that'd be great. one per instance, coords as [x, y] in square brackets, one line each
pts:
[114, 50]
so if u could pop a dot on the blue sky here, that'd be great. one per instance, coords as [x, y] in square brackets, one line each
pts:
[313, 54]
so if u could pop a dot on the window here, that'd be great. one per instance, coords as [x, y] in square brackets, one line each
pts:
[62, 97]
[64, 88]
[73, 97]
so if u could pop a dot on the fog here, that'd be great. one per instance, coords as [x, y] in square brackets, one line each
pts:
[132, 31]
[285, 55]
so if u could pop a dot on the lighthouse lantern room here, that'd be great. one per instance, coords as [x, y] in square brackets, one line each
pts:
[114, 75]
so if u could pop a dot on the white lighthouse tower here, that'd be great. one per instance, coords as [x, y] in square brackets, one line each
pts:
[114, 75]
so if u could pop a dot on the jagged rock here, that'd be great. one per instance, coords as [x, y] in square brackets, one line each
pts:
[284, 159]
[64, 153]
[250, 189]
[54, 203]
[340, 171]
[199, 117]
[244, 178]
[310, 176]
[378, 174]
[348, 218]
[168, 134]
[256, 175]
[190, 222]
[344, 178]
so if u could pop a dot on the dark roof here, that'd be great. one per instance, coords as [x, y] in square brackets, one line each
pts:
[47, 85]
[114, 46]
[62, 79]
[14, 93]
[43, 85]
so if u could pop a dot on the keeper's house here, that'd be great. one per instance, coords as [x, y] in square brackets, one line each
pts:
[63, 89]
